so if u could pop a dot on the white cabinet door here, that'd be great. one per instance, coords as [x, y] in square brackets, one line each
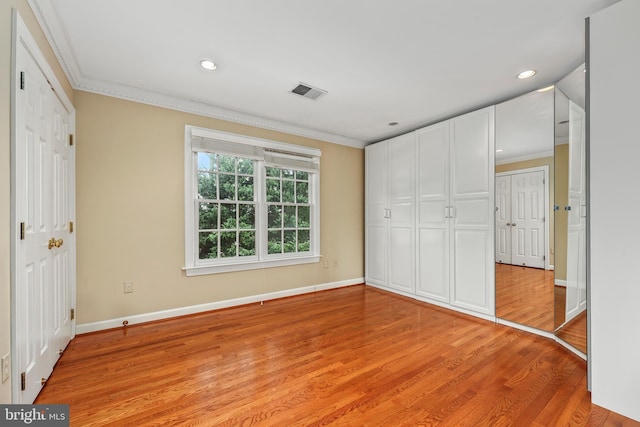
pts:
[376, 195]
[401, 212]
[390, 209]
[472, 211]
[432, 152]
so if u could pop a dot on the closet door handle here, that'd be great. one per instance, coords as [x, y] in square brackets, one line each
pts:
[452, 211]
[446, 212]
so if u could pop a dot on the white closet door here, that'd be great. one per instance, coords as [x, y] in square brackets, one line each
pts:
[44, 205]
[527, 219]
[433, 207]
[376, 213]
[472, 211]
[576, 226]
[401, 212]
[503, 219]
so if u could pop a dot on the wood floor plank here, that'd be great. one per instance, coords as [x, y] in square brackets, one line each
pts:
[349, 356]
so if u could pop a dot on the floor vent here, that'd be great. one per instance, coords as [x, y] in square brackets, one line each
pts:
[308, 91]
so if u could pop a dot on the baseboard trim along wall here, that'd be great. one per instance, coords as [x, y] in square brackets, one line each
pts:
[216, 305]
[559, 282]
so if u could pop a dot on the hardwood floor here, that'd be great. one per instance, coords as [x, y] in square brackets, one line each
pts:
[525, 295]
[350, 356]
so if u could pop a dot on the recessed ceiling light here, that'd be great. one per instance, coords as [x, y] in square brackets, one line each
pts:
[208, 65]
[499, 150]
[544, 89]
[393, 123]
[527, 74]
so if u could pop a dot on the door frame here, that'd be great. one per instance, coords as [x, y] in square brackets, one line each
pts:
[22, 39]
[547, 243]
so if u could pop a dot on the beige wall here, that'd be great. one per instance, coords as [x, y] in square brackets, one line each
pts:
[544, 161]
[6, 7]
[130, 213]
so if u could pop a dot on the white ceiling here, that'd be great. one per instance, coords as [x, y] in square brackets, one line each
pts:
[409, 61]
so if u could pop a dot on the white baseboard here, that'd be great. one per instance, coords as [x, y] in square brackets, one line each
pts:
[216, 305]
[559, 282]
[526, 328]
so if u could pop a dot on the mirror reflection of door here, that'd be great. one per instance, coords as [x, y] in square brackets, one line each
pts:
[520, 217]
[570, 218]
[524, 216]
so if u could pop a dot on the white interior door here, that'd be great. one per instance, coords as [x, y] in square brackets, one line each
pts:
[503, 219]
[376, 213]
[43, 171]
[521, 235]
[576, 222]
[527, 219]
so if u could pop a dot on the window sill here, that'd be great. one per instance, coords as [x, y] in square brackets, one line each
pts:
[201, 270]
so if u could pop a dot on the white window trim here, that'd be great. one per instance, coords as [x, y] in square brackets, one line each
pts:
[192, 266]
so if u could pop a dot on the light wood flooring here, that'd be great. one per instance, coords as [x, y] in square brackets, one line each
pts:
[351, 356]
[525, 295]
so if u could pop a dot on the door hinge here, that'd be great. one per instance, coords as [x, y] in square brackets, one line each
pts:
[21, 80]
[70, 226]
[73, 313]
[70, 139]
[23, 381]
[22, 231]
[544, 257]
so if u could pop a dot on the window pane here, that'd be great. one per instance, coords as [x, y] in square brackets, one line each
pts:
[247, 216]
[273, 172]
[228, 216]
[228, 244]
[227, 187]
[227, 163]
[245, 188]
[304, 243]
[289, 241]
[288, 193]
[207, 161]
[303, 216]
[208, 216]
[207, 185]
[247, 243]
[275, 242]
[302, 192]
[273, 190]
[207, 245]
[275, 216]
[289, 217]
[302, 176]
[245, 166]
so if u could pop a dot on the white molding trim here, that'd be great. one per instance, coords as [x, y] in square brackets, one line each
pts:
[559, 282]
[45, 13]
[526, 328]
[216, 305]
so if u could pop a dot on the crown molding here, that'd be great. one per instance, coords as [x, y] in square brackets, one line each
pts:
[47, 17]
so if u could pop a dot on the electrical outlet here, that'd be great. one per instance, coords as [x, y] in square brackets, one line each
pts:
[128, 287]
[325, 264]
[6, 367]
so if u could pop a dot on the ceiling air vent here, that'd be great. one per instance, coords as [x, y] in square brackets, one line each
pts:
[307, 91]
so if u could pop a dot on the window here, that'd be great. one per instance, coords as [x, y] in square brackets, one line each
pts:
[249, 203]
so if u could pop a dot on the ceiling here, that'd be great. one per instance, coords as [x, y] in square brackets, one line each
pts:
[413, 62]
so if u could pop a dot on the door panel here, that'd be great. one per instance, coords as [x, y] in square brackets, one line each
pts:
[503, 219]
[401, 267]
[471, 287]
[528, 219]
